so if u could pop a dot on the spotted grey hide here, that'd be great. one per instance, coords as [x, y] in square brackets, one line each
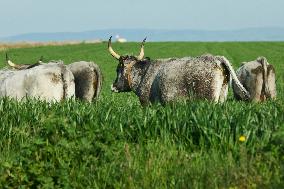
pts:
[258, 77]
[49, 82]
[165, 80]
[88, 79]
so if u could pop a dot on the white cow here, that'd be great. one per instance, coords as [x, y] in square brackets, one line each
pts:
[50, 82]
[87, 77]
[258, 78]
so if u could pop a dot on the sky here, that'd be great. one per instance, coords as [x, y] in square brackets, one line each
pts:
[36, 16]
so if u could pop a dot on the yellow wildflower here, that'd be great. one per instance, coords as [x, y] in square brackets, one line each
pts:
[242, 138]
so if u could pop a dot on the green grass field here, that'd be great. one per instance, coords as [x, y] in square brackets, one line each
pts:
[116, 143]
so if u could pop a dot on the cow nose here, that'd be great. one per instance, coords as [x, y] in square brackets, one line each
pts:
[113, 88]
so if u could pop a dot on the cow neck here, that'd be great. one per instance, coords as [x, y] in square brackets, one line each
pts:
[128, 74]
[136, 74]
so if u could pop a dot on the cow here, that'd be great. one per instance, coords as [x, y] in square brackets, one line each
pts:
[50, 82]
[167, 80]
[87, 77]
[258, 78]
[88, 80]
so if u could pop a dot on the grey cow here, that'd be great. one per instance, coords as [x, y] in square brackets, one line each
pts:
[88, 80]
[258, 77]
[166, 80]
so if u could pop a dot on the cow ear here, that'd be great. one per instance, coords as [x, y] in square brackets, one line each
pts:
[146, 60]
[40, 61]
[262, 59]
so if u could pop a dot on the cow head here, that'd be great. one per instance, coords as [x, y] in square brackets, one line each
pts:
[122, 82]
[22, 66]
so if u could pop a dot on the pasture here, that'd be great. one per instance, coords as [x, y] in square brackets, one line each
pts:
[116, 143]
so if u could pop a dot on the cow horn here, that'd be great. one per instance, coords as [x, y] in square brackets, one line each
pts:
[141, 55]
[114, 54]
[10, 63]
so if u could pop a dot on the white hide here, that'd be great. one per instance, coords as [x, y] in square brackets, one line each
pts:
[50, 82]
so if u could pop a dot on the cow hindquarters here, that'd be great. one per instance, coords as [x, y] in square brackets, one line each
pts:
[88, 80]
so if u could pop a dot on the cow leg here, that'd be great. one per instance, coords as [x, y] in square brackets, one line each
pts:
[217, 86]
[225, 86]
[257, 85]
[271, 82]
[224, 93]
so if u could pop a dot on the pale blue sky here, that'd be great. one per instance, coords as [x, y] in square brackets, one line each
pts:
[26, 16]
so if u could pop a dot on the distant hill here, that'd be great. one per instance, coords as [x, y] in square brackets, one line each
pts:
[252, 34]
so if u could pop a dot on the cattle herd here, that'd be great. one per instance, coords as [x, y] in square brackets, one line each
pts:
[161, 80]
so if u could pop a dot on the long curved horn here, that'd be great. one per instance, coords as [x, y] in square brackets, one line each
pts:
[114, 54]
[10, 63]
[141, 55]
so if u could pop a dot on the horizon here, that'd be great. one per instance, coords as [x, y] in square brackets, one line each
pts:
[152, 29]
[247, 34]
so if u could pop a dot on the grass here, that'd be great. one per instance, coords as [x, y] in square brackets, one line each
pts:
[116, 143]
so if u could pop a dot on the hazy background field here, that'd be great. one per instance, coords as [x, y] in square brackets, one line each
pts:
[114, 142]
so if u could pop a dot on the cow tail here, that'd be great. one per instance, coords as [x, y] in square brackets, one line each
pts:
[265, 85]
[245, 94]
[99, 78]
